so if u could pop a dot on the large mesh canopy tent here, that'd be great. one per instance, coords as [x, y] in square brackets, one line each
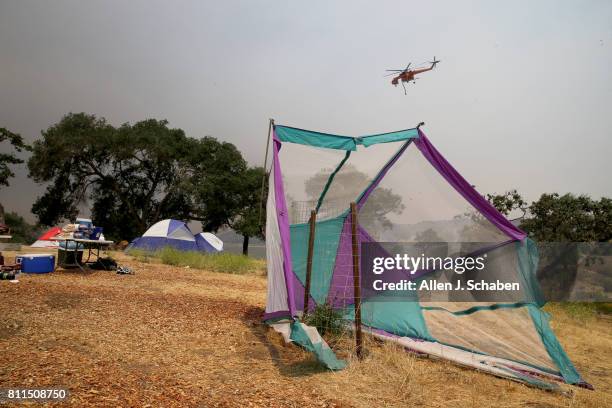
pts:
[404, 191]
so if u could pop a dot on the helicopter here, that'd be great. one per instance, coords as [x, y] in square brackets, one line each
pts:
[407, 74]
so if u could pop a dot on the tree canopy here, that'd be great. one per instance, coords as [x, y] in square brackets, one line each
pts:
[247, 220]
[8, 159]
[508, 202]
[560, 218]
[569, 218]
[133, 175]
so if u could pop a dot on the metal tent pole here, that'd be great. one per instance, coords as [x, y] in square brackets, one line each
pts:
[263, 180]
[356, 282]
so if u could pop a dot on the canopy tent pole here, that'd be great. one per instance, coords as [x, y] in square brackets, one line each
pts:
[330, 179]
[263, 179]
[311, 238]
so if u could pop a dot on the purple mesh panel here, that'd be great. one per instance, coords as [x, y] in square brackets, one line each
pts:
[341, 291]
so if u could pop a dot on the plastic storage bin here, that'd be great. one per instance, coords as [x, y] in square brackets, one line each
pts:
[84, 223]
[96, 233]
[36, 263]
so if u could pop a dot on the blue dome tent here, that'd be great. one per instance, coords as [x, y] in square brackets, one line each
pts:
[175, 234]
[209, 241]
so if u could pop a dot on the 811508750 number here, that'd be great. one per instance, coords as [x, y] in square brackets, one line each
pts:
[37, 394]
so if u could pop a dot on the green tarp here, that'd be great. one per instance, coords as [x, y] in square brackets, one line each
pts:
[321, 350]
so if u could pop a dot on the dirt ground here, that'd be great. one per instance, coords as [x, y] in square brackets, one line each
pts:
[178, 337]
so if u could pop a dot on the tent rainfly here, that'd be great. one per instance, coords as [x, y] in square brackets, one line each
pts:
[405, 191]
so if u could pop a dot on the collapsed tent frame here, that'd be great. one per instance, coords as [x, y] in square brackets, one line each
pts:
[284, 287]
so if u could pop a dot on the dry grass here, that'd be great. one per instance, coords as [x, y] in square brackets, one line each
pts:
[171, 336]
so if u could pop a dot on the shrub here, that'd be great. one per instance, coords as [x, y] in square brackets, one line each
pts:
[326, 320]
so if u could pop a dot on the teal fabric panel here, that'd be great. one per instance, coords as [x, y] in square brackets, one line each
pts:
[541, 321]
[388, 137]
[327, 238]
[398, 317]
[324, 354]
[317, 139]
[340, 142]
[528, 259]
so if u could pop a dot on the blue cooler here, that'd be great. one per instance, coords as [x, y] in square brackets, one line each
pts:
[36, 263]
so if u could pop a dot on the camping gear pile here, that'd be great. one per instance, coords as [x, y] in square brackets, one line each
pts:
[8, 275]
[176, 234]
[8, 271]
[83, 228]
[402, 190]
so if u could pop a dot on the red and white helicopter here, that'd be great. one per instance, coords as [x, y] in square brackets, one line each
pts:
[407, 74]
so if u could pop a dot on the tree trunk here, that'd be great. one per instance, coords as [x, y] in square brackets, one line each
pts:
[245, 245]
[2, 215]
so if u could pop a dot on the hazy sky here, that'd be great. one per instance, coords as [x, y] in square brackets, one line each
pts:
[522, 98]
